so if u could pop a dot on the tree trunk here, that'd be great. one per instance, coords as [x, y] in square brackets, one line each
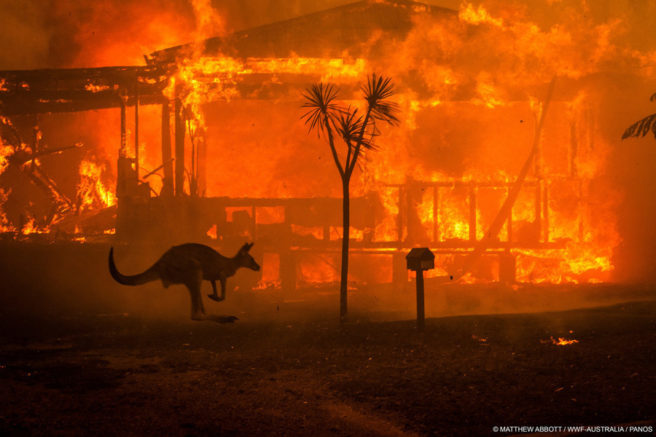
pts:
[343, 286]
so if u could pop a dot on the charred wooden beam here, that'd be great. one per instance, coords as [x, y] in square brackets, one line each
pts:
[472, 213]
[78, 89]
[201, 164]
[123, 145]
[179, 148]
[167, 159]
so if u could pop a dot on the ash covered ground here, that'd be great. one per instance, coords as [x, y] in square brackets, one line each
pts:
[80, 355]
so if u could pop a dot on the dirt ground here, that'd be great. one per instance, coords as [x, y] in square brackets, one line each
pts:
[126, 375]
[80, 354]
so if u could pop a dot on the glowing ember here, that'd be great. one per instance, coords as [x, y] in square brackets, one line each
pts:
[32, 228]
[4, 223]
[5, 152]
[563, 341]
[96, 88]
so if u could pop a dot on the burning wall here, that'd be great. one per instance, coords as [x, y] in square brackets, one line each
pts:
[471, 85]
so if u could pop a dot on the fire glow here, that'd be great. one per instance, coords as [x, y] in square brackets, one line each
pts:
[562, 341]
[442, 175]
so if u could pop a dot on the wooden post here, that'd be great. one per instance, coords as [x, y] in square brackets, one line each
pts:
[420, 259]
[179, 148]
[136, 130]
[545, 209]
[420, 300]
[472, 213]
[253, 224]
[509, 223]
[538, 208]
[573, 150]
[436, 200]
[122, 150]
[400, 216]
[201, 162]
[167, 160]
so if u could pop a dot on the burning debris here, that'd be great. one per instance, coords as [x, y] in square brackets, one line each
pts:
[562, 341]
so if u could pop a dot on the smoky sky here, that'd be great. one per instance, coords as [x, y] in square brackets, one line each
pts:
[72, 33]
[65, 33]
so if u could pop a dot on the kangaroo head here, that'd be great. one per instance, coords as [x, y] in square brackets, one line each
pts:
[245, 259]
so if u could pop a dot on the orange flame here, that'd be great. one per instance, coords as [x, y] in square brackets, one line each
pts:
[563, 341]
[94, 88]
[91, 192]
[469, 14]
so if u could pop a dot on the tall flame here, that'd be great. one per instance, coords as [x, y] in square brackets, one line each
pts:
[91, 192]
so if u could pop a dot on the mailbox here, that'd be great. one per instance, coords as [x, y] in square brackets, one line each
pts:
[420, 258]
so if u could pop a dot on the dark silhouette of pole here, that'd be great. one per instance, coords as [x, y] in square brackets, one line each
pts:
[420, 300]
[346, 230]
[167, 158]
[179, 147]
[420, 259]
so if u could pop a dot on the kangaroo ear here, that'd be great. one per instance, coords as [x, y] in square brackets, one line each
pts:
[246, 247]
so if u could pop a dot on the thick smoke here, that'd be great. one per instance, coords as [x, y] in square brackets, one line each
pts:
[69, 33]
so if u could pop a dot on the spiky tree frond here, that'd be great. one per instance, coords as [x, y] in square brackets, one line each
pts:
[641, 127]
[349, 125]
[376, 92]
[320, 100]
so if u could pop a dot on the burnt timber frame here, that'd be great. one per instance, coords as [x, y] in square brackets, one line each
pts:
[291, 245]
[66, 90]
[79, 89]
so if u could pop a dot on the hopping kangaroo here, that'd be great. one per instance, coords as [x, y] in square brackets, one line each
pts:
[189, 264]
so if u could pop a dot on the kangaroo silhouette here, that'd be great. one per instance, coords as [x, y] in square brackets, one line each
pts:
[190, 264]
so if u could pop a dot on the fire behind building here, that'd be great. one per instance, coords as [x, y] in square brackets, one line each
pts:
[205, 142]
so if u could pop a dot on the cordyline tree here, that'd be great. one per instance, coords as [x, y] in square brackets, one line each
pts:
[642, 127]
[357, 131]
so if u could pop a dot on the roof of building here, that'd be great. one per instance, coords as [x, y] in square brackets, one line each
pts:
[328, 33]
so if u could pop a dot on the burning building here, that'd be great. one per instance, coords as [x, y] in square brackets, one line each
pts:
[500, 152]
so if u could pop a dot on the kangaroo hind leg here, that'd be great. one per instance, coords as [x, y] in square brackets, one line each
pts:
[215, 295]
[193, 283]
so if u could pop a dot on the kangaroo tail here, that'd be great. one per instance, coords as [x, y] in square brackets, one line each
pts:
[138, 279]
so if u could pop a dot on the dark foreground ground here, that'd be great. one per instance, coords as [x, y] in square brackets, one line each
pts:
[83, 355]
[116, 374]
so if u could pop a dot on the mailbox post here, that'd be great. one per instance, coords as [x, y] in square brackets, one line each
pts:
[420, 259]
